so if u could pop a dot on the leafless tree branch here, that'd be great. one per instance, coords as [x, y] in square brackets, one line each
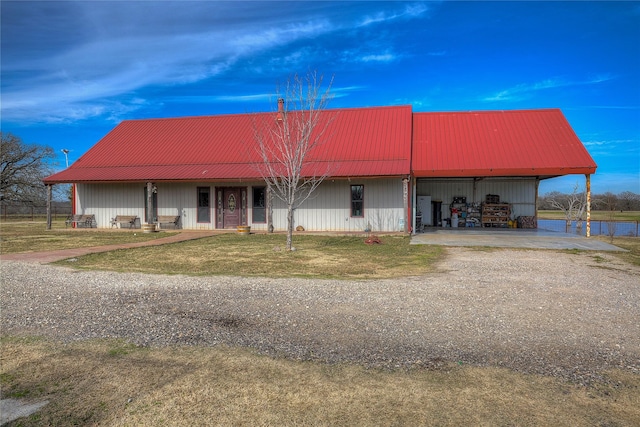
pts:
[286, 142]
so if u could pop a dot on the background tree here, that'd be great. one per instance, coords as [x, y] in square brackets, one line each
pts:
[628, 201]
[284, 143]
[22, 168]
[573, 205]
[609, 202]
[544, 201]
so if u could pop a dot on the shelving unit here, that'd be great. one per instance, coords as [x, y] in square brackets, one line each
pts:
[496, 214]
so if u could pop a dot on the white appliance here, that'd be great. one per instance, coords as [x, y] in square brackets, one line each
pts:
[424, 207]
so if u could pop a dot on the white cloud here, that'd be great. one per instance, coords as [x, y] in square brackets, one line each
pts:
[412, 10]
[384, 57]
[614, 148]
[82, 80]
[524, 90]
[242, 98]
[105, 52]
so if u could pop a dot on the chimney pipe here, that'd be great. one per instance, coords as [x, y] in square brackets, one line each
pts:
[280, 115]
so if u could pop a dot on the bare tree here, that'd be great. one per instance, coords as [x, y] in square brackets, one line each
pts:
[628, 201]
[609, 202]
[22, 168]
[286, 141]
[572, 205]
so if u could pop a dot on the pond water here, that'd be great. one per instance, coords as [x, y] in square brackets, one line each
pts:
[605, 228]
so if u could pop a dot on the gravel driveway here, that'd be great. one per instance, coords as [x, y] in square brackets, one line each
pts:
[554, 313]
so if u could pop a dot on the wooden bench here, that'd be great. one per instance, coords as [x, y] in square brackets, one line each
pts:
[81, 221]
[168, 221]
[129, 220]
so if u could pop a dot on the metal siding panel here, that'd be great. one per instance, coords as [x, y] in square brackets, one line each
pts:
[107, 201]
[329, 210]
[322, 211]
[519, 192]
[178, 199]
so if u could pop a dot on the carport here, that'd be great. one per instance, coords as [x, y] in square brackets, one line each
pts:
[466, 161]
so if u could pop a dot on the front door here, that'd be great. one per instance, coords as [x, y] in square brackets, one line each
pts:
[232, 206]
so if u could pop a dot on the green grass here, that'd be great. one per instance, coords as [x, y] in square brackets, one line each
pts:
[631, 244]
[96, 383]
[27, 236]
[112, 382]
[595, 215]
[264, 255]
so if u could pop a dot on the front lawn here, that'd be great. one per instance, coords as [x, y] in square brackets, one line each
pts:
[339, 257]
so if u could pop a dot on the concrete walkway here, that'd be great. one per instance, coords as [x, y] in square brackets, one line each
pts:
[509, 238]
[58, 255]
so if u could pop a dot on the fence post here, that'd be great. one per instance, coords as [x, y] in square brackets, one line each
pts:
[49, 191]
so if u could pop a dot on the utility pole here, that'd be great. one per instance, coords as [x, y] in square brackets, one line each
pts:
[66, 155]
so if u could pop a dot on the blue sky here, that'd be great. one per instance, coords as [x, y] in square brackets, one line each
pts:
[71, 71]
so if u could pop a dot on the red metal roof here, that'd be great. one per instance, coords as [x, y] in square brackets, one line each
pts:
[359, 142]
[497, 143]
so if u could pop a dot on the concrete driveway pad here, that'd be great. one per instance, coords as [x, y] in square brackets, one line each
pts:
[509, 238]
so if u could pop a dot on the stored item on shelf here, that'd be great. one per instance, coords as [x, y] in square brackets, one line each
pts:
[496, 214]
[492, 199]
[527, 222]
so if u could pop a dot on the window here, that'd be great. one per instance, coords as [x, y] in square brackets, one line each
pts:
[204, 213]
[259, 205]
[357, 201]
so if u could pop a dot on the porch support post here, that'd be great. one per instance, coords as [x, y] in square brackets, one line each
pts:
[588, 186]
[413, 205]
[536, 200]
[269, 210]
[49, 196]
[149, 202]
[405, 197]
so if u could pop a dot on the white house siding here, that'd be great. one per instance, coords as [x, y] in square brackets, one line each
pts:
[105, 201]
[328, 209]
[519, 192]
